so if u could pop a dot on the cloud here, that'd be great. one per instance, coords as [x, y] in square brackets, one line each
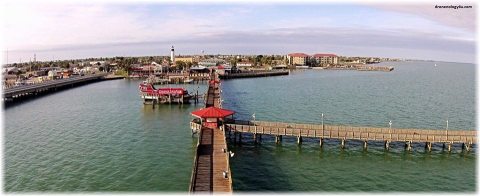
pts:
[343, 41]
[460, 18]
[43, 26]
[89, 30]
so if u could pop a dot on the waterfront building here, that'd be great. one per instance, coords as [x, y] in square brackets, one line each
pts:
[244, 65]
[297, 59]
[97, 63]
[199, 69]
[10, 70]
[185, 59]
[147, 69]
[211, 62]
[325, 59]
[9, 80]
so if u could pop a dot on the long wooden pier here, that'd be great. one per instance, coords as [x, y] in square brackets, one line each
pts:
[365, 134]
[211, 170]
[28, 90]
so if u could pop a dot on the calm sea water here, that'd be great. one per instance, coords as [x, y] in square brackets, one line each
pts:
[100, 137]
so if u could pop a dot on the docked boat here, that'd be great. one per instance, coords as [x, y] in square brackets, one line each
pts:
[188, 81]
[150, 94]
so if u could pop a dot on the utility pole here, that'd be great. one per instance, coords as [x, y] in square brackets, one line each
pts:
[447, 129]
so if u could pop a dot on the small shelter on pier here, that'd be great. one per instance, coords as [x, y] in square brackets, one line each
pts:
[211, 116]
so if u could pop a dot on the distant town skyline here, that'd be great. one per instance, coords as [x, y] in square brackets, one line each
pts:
[57, 31]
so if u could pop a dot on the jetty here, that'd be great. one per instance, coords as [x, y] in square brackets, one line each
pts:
[211, 168]
[253, 74]
[343, 133]
[19, 92]
[361, 68]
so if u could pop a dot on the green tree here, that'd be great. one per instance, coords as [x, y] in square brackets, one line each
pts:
[180, 64]
[233, 62]
[189, 64]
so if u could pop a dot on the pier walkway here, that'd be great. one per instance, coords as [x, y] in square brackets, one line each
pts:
[365, 134]
[26, 90]
[211, 170]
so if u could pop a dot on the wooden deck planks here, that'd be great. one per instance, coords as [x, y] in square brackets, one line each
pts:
[212, 160]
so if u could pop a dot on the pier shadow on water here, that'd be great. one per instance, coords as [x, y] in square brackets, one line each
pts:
[287, 166]
[254, 167]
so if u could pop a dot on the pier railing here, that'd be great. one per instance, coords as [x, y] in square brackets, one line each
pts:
[19, 90]
[195, 162]
[351, 132]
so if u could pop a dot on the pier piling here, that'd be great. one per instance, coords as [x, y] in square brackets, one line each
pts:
[299, 140]
[428, 146]
[387, 145]
[277, 139]
[408, 145]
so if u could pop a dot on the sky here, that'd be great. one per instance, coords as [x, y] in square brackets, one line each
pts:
[56, 30]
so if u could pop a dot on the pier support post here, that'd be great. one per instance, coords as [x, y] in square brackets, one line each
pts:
[277, 139]
[428, 146]
[466, 146]
[255, 138]
[365, 144]
[299, 140]
[387, 145]
[343, 143]
[408, 145]
[448, 145]
[321, 142]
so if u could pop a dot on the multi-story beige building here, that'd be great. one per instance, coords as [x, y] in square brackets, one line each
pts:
[184, 59]
[297, 59]
[325, 59]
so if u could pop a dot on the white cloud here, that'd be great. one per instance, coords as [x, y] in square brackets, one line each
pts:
[460, 18]
[38, 26]
[84, 30]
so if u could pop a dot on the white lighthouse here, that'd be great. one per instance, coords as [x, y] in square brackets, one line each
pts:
[172, 55]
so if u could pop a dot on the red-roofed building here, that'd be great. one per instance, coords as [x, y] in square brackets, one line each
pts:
[325, 59]
[297, 59]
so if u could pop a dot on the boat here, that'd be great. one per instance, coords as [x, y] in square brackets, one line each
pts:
[150, 94]
[188, 81]
[435, 64]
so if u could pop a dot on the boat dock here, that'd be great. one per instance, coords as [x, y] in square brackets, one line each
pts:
[18, 92]
[343, 133]
[211, 169]
[253, 74]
